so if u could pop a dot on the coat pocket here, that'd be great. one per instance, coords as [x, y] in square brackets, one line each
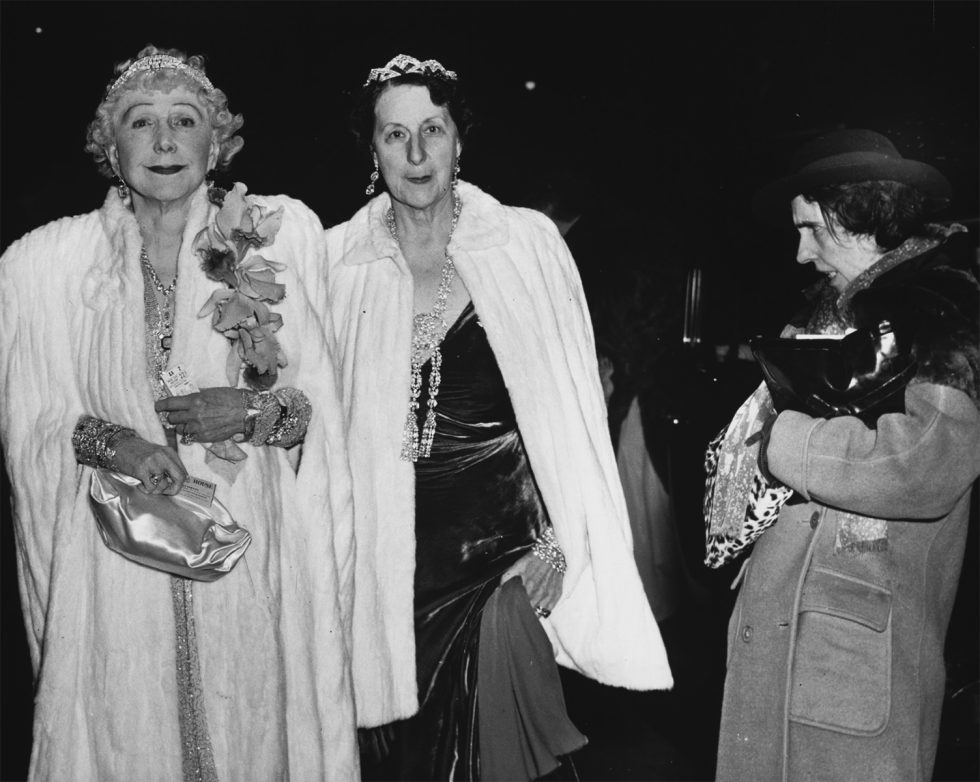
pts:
[841, 678]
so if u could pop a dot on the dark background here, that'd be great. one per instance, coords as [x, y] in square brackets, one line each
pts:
[661, 118]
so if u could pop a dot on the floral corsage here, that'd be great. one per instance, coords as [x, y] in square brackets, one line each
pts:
[240, 308]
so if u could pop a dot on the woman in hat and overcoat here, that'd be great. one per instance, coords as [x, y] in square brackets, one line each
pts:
[835, 648]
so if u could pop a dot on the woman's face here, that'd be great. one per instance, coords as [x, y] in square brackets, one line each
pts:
[417, 145]
[164, 144]
[842, 257]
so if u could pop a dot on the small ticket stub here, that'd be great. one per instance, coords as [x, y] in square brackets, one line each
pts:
[177, 382]
[198, 489]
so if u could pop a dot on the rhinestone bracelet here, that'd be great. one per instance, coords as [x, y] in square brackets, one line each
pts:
[262, 410]
[546, 549]
[94, 441]
[294, 419]
[277, 418]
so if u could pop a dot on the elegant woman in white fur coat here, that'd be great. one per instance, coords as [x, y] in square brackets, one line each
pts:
[438, 531]
[140, 675]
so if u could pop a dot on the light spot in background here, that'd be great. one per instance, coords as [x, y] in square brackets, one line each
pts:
[530, 85]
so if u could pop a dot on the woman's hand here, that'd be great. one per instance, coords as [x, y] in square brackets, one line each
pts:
[158, 467]
[541, 581]
[207, 416]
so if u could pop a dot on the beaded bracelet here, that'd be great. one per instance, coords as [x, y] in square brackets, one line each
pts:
[546, 549]
[277, 418]
[262, 410]
[94, 441]
[291, 426]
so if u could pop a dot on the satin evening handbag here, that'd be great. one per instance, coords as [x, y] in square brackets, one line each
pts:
[185, 535]
[863, 374]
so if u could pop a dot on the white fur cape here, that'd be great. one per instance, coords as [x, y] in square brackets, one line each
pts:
[527, 292]
[274, 634]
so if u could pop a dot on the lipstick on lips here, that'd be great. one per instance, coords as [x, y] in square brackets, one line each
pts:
[165, 170]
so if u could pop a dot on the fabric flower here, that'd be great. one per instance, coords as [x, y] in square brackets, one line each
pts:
[219, 264]
[240, 310]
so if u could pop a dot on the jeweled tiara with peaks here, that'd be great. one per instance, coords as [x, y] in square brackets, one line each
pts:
[403, 64]
[157, 62]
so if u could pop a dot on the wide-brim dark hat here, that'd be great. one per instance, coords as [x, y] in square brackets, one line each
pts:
[845, 156]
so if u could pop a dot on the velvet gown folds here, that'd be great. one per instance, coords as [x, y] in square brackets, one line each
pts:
[478, 510]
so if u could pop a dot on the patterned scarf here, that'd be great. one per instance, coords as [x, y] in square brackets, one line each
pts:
[739, 503]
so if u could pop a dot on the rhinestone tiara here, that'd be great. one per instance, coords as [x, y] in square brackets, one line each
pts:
[403, 64]
[158, 62]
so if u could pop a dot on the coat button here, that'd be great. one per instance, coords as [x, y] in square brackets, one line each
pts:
[814, 519]
[747, 633]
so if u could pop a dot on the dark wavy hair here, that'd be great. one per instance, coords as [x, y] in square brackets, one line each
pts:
[891, 212]
[448, 93]
[101, 134]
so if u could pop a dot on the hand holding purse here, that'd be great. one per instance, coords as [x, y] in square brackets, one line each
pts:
[863, 374]
[183, 534]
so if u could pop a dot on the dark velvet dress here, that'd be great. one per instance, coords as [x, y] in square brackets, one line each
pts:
[478, 510]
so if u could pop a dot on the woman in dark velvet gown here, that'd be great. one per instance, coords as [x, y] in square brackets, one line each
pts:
[479, 517]
[478, 511]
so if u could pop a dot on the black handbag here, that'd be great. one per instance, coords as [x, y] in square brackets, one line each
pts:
[863, 374]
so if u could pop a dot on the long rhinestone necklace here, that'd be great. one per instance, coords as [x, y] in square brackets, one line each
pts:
[165, 314]
[145, 260]
[428, 331]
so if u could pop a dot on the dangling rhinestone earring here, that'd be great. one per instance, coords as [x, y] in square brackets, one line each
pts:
[369, 190]
[456, 174]
[122, 189]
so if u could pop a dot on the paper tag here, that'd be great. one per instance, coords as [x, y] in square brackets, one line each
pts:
[177, 382]
[198, 489]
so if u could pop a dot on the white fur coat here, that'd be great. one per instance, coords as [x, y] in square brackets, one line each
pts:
[527, 291]
[274, 634]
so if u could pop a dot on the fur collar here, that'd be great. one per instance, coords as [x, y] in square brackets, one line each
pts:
[482, 225]
[111, 270]
[911, 248]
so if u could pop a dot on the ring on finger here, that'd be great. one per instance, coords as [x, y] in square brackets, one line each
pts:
[188, 439]
[544, 613]
[157, 477]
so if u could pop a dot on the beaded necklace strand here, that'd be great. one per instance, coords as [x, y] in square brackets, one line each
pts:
[428, 331]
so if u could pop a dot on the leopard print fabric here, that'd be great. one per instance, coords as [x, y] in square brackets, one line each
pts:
[765, 501]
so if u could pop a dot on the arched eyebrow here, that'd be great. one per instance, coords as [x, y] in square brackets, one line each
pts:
[191, 106]
[129, 109]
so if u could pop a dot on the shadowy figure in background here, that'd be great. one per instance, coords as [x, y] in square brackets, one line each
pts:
[660, 396]
[858, 512]
[643, 461]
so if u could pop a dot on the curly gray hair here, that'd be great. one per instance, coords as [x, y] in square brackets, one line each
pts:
[101, 133]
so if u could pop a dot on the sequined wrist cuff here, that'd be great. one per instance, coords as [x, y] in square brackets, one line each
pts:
[277, 418]
[546, 549]
[94, 441]
[291, 426]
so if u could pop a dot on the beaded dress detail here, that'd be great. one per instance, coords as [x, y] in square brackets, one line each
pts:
[196, 751]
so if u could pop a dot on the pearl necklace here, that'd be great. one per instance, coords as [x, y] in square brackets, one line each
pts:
[428, 331]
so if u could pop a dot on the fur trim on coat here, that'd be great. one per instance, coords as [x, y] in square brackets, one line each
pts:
[527, 291]
[274, 634]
